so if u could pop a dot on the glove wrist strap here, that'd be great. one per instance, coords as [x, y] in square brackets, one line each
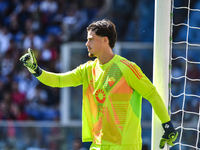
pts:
[38, 72]
[167, 126]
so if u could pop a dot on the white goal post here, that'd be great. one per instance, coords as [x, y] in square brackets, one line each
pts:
[161, 63]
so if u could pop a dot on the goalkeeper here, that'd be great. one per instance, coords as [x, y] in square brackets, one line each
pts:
[113, 88]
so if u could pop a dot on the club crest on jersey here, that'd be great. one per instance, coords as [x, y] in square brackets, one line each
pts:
[111, 81]
[100, 96]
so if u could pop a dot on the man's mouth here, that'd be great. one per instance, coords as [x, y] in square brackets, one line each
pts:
[89, 48]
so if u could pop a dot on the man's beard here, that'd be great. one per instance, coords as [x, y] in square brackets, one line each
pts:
[91, 55]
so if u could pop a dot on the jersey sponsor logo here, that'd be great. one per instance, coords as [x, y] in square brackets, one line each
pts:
[100, 96]
[133, 68]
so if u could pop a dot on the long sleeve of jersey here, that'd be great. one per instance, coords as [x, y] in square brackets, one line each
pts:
[56, 80]
[69, 79]
[158, 106]
[139, 82]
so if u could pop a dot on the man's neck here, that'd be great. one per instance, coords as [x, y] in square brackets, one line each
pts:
[103, 59]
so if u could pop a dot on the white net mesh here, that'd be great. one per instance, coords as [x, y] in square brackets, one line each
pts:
[185, 73]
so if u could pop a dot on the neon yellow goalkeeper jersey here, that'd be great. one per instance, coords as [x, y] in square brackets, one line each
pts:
[112, 96]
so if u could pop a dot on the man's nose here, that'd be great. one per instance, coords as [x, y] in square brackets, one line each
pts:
[87, 43]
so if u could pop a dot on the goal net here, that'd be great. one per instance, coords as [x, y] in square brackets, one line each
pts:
[184, 98]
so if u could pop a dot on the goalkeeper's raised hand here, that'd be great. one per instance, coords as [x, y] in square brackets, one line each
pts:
[169, 135]
[30, 62]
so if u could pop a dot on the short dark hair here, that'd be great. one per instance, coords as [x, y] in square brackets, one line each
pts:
[104, 28]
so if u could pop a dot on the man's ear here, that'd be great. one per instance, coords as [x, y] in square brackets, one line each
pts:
[106, 40]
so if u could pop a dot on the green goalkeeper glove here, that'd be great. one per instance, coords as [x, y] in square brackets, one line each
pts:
[169, 135]
[30, 62]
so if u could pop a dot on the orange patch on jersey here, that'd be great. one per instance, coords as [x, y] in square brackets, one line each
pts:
[122, 87]
[93, 106]
[97, 126]
[115, 115]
